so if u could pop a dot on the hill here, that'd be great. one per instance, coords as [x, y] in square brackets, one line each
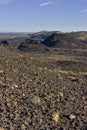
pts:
[32, 46]
[47, 41]
[66, 40]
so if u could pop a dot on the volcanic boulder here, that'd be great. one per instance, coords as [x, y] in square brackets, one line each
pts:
[4, 43]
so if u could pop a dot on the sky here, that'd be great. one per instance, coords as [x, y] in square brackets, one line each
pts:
[38, 15]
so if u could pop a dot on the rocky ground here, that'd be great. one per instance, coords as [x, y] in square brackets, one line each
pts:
[34, 97]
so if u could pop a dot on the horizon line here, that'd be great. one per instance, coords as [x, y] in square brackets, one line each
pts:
[42, 31]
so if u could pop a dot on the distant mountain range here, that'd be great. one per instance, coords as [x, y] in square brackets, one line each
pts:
[35, 36]
[45, 40]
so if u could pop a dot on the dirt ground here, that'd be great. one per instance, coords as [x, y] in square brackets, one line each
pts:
[42, 91]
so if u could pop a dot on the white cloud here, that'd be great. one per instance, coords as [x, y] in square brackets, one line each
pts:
[53, 2]
[4, 1]
[46, 3]
[83, 11]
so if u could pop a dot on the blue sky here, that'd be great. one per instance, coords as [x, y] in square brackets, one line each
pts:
[37, 15]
